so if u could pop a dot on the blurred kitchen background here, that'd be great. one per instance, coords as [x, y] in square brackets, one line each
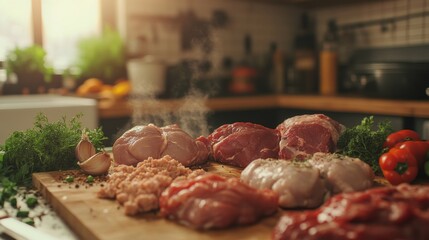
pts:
[118, 52]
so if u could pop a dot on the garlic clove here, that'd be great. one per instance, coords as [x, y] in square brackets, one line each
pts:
[84, 149]
[97, 164]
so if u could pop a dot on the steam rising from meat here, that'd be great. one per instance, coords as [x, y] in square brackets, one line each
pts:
[191, 116]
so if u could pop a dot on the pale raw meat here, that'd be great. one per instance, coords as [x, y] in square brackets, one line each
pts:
[240, 143]
[138, 188]
[214, 202]
[343, 173]
[303, 135]
[299, 184]
[142, 142]
[394, 213]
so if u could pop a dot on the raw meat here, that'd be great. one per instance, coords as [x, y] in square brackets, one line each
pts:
[138, 188]
[142, 142]
[240, 143]
[400, 212]
[303, 135]
[214, 202]
[299, 184]
[343, 173]
[307, 184]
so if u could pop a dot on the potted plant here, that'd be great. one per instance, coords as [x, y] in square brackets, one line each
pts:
[29, 67]
[102, 57]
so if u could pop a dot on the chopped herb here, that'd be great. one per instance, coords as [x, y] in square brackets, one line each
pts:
[13, 202]
[28, 221]
[8, 190]
[22, 214]
[90, 179]
[69, 179]
[365, 141]
[31, 202]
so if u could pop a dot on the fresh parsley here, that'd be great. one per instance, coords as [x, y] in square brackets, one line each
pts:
[365, 141]
[48, 146]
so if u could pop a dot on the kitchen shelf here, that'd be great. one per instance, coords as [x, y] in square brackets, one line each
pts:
[311, 4]
[109, 108]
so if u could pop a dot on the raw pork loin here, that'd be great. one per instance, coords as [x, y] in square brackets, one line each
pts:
[299, 184]
[214, 202]
[400, 212]
[343, 173]
[240, 143]
[142, 142]
[303, 135]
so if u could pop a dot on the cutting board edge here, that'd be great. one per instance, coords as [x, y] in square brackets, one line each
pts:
[82, 231]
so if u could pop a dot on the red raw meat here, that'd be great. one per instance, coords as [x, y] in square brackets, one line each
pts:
[400, 212]
[303, 135]
[214, 202]
[141, 142]
[240, 143]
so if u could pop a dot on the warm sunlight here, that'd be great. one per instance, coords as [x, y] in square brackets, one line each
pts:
[64, 23]
[15, 25]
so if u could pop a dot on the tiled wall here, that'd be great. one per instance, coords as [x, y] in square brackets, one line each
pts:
[269, 23]
[406, 32]
[265, 22]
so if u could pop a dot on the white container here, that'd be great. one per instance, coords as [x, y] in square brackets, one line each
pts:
[147, 76]
[18, 113]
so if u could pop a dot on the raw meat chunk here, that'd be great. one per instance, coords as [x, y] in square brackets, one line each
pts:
[141, 142]
[214, 202]
[299, 184]
[303, 135]
[240, 143]
[343, 173]
[400, 212]
[138, 188]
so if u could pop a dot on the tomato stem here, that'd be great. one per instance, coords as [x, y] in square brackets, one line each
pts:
[401, 168]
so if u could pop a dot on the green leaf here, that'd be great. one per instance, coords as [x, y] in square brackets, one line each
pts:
[48, 146]
[365, 141]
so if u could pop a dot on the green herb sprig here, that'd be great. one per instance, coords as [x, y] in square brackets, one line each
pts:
[365, 141]
[45, 147]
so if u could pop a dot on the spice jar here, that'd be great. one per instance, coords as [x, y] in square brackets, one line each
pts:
[243, 80]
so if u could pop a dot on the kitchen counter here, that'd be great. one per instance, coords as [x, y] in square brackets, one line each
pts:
[110, 108]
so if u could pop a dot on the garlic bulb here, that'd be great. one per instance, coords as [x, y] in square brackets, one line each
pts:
[97, 164]
[84, 149]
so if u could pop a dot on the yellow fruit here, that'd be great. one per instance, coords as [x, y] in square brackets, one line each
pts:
[122, 89]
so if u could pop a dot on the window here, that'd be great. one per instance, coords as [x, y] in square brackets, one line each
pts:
[15, 25]
[63, 23]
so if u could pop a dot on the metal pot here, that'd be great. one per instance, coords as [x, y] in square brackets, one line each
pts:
[399, 80]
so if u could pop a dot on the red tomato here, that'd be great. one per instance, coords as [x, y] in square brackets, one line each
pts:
[400, 136]
[419, 149]
[398, 166]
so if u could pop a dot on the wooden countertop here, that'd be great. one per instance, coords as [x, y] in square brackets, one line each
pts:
[110, 108]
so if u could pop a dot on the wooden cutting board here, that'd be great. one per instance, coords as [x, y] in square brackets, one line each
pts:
[93, 218]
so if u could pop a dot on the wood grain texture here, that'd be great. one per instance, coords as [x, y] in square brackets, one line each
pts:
[93, 218]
